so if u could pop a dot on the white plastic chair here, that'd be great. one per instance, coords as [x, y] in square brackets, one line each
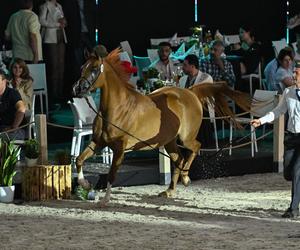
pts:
[156, 41]
[29, 115]
[263, 102]
[126, 47]
[152, 54]
[38, 73]
[252, 76]
[295, 46]
[279, 45]
[141, 63]
[83, 119]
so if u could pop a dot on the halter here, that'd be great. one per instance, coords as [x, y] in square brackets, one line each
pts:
[91, 79]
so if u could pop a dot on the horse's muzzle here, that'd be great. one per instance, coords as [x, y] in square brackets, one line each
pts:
[80, 88]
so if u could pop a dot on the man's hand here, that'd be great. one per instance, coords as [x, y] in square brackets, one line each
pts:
[218, 61]
[255, 123]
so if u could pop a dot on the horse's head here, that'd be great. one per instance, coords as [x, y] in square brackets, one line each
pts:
[90, 72]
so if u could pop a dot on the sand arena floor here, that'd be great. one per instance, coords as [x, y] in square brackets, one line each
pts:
[227, 213]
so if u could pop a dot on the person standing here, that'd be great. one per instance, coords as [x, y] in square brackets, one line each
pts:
[81, 16]
[290, 102]
[54, 39]
[23, 30]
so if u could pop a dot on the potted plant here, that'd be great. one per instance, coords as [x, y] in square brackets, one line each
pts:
[9, 153]
[32, 151]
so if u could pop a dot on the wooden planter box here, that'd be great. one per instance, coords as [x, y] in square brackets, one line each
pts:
[46, 182]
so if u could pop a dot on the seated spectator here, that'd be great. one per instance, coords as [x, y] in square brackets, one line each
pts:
[249, 50]
[284, 75]
[164, 64]
[270, 72]
[217, 66]
[193, 76]
[22, 81]
[12, 111]
[192, 73]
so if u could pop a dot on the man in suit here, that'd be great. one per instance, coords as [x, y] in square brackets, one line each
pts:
[192, 73]
[80, 31]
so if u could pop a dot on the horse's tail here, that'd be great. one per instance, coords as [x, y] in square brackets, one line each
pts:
[217, 94]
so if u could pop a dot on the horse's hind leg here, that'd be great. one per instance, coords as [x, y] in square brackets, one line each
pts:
[178, 160]
[194, 147]
[87, 153]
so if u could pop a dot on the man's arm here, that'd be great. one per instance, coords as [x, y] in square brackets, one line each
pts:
[19, 116]
[33, 45]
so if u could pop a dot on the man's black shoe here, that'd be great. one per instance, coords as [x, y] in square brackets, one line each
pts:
[289, 213]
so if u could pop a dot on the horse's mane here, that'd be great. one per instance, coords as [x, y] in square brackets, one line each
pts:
[113, 60]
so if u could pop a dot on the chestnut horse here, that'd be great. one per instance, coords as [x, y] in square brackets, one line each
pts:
[128, 120]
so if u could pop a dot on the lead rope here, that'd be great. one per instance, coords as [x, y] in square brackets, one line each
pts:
[146, 143]
[126, 132]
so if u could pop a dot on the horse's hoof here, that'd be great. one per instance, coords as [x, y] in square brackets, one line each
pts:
[165, 194]
[103, 203]
[84, 183]
[186, 181]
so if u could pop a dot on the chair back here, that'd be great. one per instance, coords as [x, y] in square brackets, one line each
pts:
[126, 47]
[83, 114]
[155, 41]
[38, 74]
[124, 56]
[295, 46]
[141, 63]
[263, 102]
[152, 54]
[279, 45]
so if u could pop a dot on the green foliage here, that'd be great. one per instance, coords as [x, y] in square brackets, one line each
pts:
[32, 149]
[152, 73]
[81, 193]
[8, 158]
[158, 84]
[62, 157]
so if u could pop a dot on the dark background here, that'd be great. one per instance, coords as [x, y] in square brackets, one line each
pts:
[137, 21]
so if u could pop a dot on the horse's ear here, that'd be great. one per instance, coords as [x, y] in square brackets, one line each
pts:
[87, 54]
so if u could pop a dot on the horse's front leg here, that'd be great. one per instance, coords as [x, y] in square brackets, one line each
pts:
[118, 155]
[87, 153]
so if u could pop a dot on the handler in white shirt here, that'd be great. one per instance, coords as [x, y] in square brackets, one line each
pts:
[290, 102]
